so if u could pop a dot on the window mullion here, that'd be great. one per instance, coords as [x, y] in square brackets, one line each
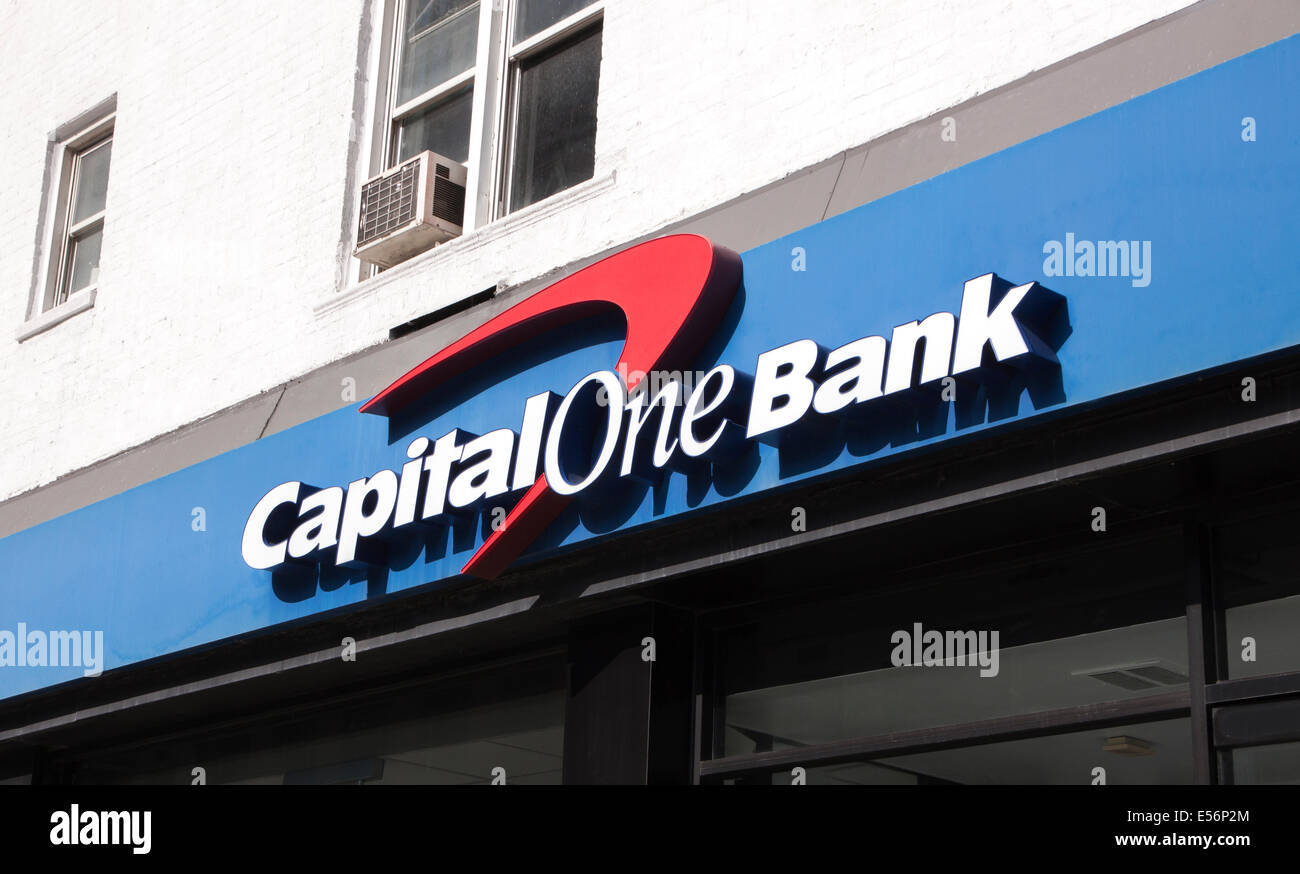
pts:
[509, 138]
[558, 31]
[481, 165]
[86, 226]
[398, 44]
[433, 95]
[64, 240]
[65, 269]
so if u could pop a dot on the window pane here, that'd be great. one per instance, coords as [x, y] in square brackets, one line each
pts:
[1105, 625]
[1151, 753]
[1261, 595]
[443, 129]
[555, 127]
[84, 259]
[440, 38]
[92, 182]
[534, 16]
[1272, 764]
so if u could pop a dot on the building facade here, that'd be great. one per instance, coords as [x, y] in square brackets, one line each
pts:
[1026, 261]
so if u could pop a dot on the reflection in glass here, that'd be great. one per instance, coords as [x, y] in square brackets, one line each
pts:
[440, 39]
[443, 129]
[555, 120]
[534, 16]
[84, 261]
[92, 182]
[1107, 625]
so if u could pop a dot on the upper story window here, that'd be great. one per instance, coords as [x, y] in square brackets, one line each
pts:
[505, 89]
[82, 231]
[73, 214]
[551, 117]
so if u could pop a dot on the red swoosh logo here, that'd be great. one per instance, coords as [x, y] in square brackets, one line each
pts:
[673, 293]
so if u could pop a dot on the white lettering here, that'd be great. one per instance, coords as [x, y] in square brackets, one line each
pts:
[258, 552]
[320, 531]
[357, 521]
[771, 384]
[695, 411]
[555, 477]
[860, 381]
[979, 327]
[936, 331]
[488, 477]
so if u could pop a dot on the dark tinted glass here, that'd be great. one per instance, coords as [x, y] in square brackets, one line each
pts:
[443, 129]
[555, 120]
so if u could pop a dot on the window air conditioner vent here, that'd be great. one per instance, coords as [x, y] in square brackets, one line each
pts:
[410, 208]
[448, 199]
[388, 203]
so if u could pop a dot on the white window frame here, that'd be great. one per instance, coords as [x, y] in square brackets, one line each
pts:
[51, 301]
[69, 233]
[495, 84]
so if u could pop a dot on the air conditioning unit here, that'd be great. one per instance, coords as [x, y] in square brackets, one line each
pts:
[410, 208]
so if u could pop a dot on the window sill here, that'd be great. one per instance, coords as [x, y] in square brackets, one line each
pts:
[481, 236]
[77, 303]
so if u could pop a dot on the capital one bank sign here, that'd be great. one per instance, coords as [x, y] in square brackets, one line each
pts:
[673, 293]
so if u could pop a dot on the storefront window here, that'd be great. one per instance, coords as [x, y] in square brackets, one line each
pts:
[507, 725]
[1067, 630]
[1260, 592]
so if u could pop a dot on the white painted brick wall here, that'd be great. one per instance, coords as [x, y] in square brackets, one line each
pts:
[230, 166]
